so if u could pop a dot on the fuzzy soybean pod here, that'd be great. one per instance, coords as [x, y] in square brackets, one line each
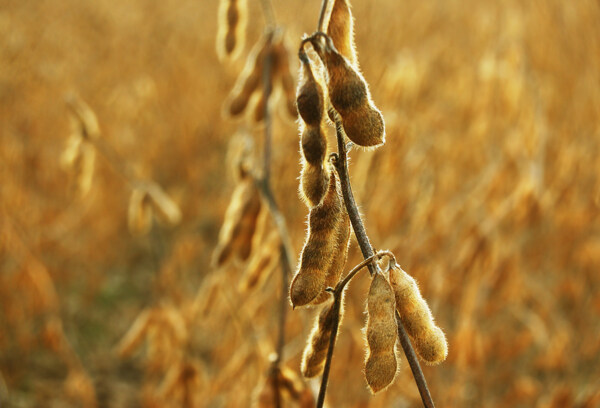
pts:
[342, 241]
[341, 29]
[314, 177]
[315, 353]
[350, 97]
[319, 249]
[429, 340]
[382, 331]
[231, 28]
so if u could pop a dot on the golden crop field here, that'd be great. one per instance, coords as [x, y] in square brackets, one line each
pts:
[141, 260]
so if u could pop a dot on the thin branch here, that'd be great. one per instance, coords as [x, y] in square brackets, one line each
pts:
[264, 185]
[341, 164]
[266, 190]
[337, 302]
[414, 364]
[366, 262]
[321, 25]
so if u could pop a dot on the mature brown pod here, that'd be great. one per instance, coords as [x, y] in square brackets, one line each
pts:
[342, 240]
[314, 180]
[319, 249]
[231, 28]
[235, 237]
[350, 97]
[310, 101]
[429, 340]
[382, 331]
[315, 353]
[314, 177]
[309, 97]
[341, 29]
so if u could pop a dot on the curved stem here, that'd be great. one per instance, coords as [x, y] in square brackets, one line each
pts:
[340, 286]
[341, 165]
[337, 302]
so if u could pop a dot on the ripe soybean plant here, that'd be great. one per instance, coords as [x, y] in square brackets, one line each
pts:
[333, 84]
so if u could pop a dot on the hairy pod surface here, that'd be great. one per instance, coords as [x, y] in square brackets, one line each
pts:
[310, 99]
[315, 353]
[429, 340]
[336, 268]
[314, 144]
[319, 249]
[314, 180]
[382, 331]
[240, 223]
[349, 95]
[341, 29]
[231, 28]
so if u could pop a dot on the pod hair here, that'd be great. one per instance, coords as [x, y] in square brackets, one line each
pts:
[382, 331]
[314, 176]
[342, 241]
[349, 94]
[429, 340]
[319, 248]
[315, 352]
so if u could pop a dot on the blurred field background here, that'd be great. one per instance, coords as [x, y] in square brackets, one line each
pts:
[487, 191]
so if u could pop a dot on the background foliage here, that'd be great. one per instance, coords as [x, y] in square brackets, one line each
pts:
[487, 191]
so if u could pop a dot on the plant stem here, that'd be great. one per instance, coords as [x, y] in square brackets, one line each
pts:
[366, 262]
[337, 302]
[320, 26]
[264, 185]
[414, 364]
[341, 164]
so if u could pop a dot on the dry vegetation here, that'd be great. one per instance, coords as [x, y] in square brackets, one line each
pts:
[487, 191]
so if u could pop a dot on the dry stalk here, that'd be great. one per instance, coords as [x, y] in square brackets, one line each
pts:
[340, 161]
